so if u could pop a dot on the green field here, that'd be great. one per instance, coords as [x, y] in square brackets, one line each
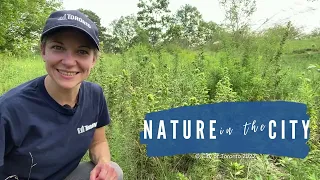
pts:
[143, 80]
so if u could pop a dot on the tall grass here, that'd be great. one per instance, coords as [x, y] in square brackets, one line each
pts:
[142, 80]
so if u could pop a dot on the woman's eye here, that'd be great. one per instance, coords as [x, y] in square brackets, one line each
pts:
[83, 52]
[57, 47]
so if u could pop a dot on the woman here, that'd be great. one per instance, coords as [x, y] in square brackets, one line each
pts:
[48, 124]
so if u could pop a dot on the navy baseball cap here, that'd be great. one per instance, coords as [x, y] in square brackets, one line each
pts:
[74, 19]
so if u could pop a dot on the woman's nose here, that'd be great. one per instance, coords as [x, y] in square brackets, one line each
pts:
[69, 59]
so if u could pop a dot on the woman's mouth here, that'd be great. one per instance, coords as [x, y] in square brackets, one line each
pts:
[67, 73]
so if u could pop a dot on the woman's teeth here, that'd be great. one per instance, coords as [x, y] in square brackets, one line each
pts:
[67, 73]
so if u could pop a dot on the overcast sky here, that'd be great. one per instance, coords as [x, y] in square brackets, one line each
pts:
[300, 12]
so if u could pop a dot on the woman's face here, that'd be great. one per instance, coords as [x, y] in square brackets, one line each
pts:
[69, 57]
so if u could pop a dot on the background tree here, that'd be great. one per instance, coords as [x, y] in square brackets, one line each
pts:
[238, 13]
[154, 17]
[210, 34]
[237, 19]
[124, 30]
[174, 35]
[315, 32]
[189, 18]
[23, 23]
[8, 14]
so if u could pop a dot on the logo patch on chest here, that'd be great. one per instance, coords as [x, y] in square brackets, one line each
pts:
[85, 128]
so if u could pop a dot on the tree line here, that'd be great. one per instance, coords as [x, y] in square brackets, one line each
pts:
[153, 25]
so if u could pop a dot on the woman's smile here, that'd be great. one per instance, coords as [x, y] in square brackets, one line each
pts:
[67, 73]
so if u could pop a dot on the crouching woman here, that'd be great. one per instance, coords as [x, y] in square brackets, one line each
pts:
[48, 124]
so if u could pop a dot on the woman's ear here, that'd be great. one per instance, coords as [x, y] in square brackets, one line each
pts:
[95, 57]
[94, 61]
[42, 49]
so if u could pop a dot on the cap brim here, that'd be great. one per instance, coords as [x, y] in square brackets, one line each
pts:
[57, 28]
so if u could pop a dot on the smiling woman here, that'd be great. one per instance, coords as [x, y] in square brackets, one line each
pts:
[48, 124]
[69, 56]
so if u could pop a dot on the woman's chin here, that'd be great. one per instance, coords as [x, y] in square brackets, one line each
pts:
[67, 84]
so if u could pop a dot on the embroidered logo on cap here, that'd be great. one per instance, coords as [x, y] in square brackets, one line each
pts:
[73, 17]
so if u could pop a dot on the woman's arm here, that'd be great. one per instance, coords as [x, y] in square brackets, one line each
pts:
[99, 149]
[2, 142]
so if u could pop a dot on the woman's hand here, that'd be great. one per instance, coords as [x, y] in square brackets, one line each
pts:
[103, 171]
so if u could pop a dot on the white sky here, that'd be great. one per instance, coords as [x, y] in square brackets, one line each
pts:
[300, 12]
